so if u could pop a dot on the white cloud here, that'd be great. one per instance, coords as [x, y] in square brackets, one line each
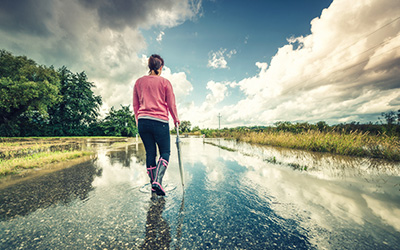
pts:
[347, 69]
[206, 114]
[217, 59]
[246, 39]
[231, 53]
[160, 36]
[181, 85]
[218, 92]
[176, 12]
[94, 36]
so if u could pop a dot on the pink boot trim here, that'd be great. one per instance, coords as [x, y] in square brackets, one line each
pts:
[160, 187]
[150, 172]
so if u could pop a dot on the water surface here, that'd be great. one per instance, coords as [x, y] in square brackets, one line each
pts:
[248, 197]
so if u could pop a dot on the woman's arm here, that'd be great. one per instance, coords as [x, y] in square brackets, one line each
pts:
[136, 103]
[170, 99]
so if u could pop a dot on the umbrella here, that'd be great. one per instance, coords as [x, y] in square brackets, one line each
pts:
[179, 156]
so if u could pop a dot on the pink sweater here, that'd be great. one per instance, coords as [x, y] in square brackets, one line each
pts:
[153, 97]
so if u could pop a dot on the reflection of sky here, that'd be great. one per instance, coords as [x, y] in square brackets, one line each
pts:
[331, 199]
[230, 198]
[340, 194]
[114, 173]
[129, 168]
[388, 211]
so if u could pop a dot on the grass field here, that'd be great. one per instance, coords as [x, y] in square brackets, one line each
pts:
[18, 154]
[353, 143]
[37, 160]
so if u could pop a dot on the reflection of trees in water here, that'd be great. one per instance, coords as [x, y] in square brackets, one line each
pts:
[140, 153]
[125, 155]
[330, 164]
[157, 228]
[120, 156]
[62, 186]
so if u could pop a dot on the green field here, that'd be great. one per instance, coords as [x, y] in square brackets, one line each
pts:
[19, 154]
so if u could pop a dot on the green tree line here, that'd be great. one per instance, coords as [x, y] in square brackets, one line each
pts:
[388, 125]
[36, 100]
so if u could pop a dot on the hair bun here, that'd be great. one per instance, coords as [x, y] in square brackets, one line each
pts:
[155, 63]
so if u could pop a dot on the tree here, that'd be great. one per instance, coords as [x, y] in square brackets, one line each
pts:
[79, 107]
[322, 126]
[185, 126]
[120, 122]
[398, 117]
[392, 119]
[26, 91]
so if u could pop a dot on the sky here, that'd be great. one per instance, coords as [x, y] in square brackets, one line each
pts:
[254, 62]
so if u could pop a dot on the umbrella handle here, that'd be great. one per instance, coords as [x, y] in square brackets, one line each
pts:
[177, 129]
[179, 156]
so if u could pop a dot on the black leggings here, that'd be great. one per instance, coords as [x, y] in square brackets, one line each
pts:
[155, 133]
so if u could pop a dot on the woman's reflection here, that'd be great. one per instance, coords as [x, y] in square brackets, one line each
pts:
[157, 228]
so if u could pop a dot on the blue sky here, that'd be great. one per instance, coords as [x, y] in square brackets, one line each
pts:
[254, 62]
[253, 30]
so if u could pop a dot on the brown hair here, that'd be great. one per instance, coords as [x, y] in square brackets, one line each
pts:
[155, 62]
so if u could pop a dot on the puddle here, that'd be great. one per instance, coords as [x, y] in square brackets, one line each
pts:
[233, 199]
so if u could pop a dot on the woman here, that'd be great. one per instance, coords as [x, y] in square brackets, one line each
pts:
[153, 97]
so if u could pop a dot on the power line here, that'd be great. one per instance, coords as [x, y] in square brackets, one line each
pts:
[349, 67]
[375, 31]
[370, 58]
[219, 121]
[352, 66]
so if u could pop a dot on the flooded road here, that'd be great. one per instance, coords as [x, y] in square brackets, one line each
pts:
[237, 196]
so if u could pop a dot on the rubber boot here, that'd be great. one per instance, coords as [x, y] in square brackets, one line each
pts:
[151, 171]
[160, 171]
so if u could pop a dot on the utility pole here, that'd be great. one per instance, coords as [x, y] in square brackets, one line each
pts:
[219, 121]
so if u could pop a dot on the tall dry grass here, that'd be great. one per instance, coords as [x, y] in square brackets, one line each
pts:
[354, 143]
